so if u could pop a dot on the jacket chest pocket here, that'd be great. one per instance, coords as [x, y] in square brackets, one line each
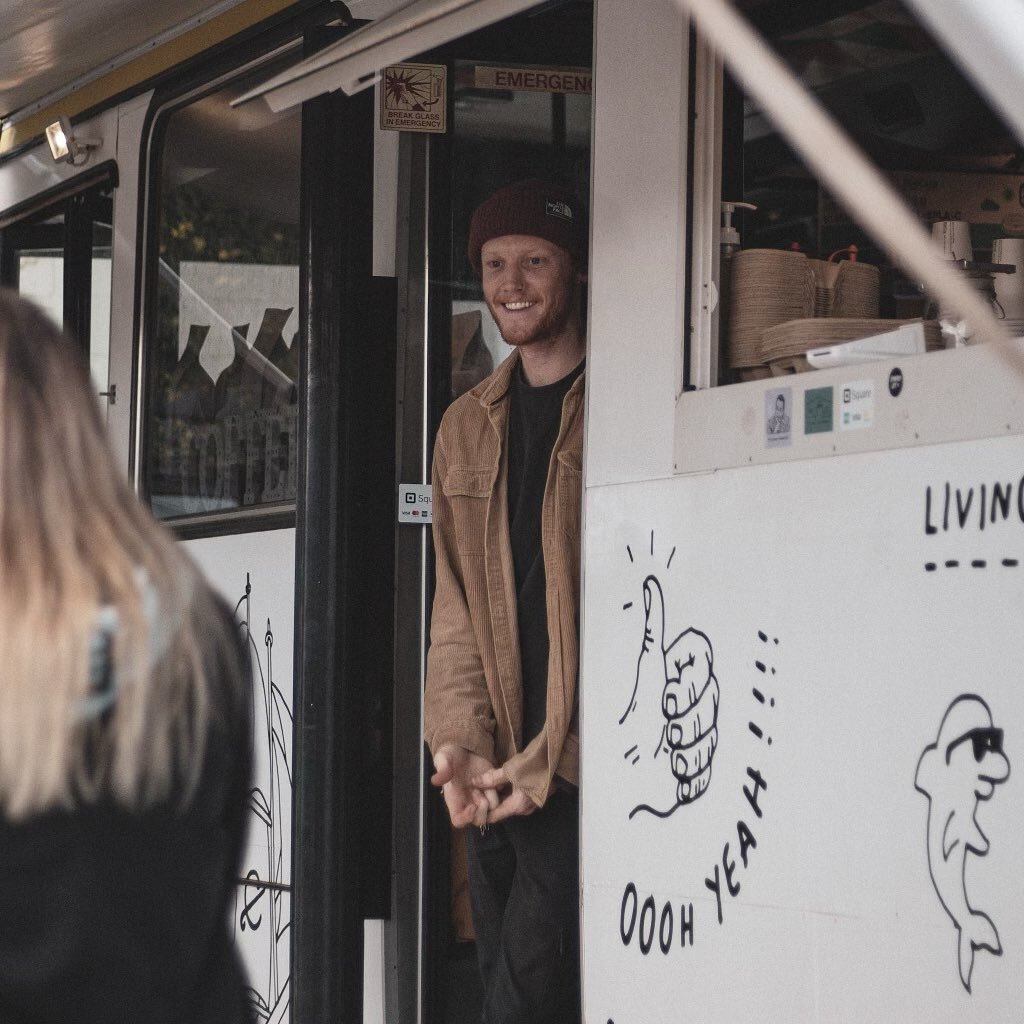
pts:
[468, 490]
[569, 492]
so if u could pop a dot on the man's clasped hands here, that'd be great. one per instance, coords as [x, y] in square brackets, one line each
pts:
[475, 792]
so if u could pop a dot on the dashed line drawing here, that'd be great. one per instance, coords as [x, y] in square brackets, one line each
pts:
[975, 563]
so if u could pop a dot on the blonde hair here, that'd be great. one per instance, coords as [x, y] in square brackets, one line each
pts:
[74, 540]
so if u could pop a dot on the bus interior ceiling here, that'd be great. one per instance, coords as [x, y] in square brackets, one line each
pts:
[45, 49]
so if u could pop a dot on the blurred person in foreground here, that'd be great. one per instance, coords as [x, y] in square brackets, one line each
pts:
[124, 725]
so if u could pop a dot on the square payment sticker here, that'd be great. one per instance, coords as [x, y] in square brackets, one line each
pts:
[414, 504]
[857, 405]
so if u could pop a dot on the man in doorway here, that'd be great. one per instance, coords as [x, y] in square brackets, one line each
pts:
[500, 707]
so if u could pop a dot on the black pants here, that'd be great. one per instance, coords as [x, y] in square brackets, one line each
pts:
[524, 891]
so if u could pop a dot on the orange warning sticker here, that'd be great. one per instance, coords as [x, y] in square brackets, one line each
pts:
[413, 98]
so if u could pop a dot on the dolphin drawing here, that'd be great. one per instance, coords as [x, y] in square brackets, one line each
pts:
[963, 766]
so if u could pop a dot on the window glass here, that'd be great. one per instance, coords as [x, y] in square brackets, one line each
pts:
[59, 257]
[801, 274]
[40, 267]
[99, 306]
[222, 355]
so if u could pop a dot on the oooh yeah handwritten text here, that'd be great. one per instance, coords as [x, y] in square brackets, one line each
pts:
[650, 923]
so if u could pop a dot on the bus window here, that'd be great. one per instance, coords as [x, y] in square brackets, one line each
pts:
[222, 349]
[101, 239]
[59, 257]
[39, 271]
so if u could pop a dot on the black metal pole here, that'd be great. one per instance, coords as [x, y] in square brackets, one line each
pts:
[344, 569]
[78, 269]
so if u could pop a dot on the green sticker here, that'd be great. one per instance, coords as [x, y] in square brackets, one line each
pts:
[818, 410]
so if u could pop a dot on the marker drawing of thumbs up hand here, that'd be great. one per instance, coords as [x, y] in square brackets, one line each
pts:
[672, 715]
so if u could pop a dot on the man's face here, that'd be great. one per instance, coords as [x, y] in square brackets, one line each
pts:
[780, 406]
[531, 288]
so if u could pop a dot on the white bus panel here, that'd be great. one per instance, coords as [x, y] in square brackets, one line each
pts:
[848, 631]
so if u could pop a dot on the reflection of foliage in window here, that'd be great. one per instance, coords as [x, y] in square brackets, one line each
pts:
[194, 228]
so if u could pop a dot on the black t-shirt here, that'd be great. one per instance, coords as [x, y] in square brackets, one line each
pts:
[535, 415]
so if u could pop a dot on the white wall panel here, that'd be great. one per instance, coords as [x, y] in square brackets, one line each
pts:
[831, 865]
[637, 239]
[255, 574]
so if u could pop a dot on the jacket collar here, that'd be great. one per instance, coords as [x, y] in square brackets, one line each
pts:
[492, 390]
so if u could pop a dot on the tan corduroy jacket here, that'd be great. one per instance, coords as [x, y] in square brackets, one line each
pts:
[474, 692]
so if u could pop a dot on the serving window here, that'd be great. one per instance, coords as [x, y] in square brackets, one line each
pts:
[830, 345]
[796, 273]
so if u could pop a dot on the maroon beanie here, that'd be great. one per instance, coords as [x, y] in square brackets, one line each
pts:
[531, 207]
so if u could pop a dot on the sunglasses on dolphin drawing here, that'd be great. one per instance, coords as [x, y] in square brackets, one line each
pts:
[983, 740]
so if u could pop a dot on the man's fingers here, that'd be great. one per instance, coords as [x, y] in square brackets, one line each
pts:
[461, 811]
[481, 808]
[466, 817]
[466, 805]
[455, 772]
[688, 724]
[516, 803]
[492, 779]
[500, 813]
[444, 769]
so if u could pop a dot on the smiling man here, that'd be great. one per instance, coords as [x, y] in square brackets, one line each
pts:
[500, 708]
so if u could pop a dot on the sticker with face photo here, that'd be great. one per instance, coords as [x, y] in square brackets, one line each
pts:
[778, 405]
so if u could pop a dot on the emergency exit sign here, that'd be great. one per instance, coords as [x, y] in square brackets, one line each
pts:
[535, 79]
